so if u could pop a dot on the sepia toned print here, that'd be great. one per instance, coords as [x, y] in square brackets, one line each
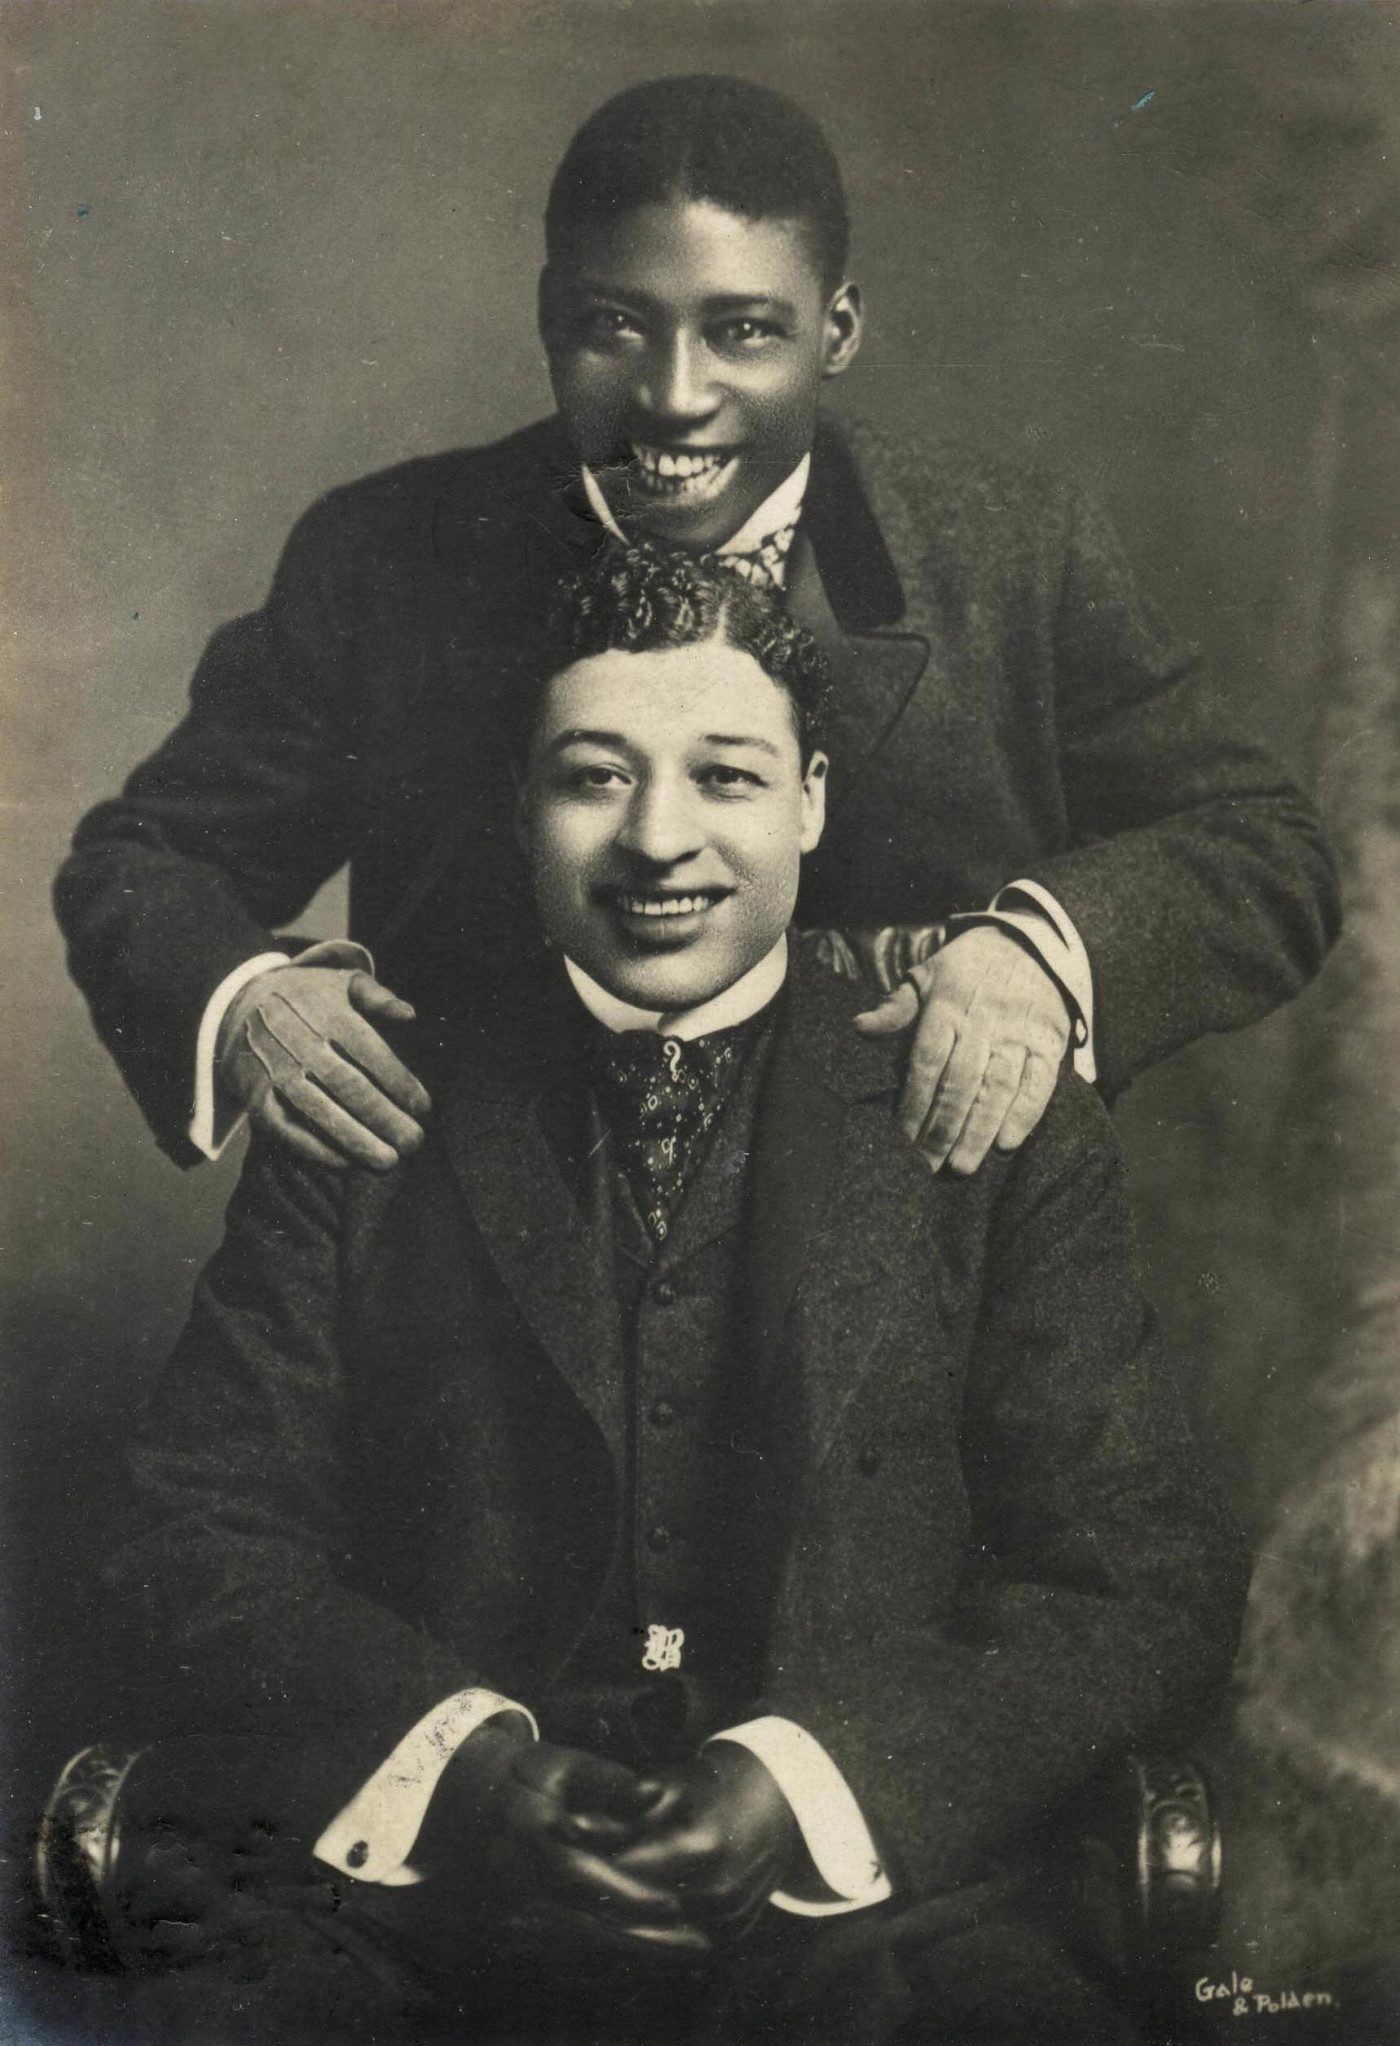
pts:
[1056, 506]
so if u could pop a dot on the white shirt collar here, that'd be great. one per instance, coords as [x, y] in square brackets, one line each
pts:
[734, 1004]
[780, 509]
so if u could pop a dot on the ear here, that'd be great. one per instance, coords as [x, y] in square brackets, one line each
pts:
[845, 323]
[813, 801]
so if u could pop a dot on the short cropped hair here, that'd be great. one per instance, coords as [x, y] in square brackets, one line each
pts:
[706, 136]
[642, 600]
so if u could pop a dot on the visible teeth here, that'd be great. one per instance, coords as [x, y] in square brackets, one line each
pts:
[681, 469]
[666, 905]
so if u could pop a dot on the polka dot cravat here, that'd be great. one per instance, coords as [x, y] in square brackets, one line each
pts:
[660, 1098]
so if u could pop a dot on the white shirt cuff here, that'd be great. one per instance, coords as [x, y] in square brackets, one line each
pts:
[211, 1128]
[372, 1837]
[203, 1132]
[834, 1832]
[1051, 934]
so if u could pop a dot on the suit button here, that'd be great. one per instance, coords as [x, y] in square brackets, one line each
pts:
[665, 1293]
[870, 1460]
[662, 1414]
[658, 1538]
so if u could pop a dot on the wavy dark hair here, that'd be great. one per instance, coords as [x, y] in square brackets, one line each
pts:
[640, 600]
[739, 145]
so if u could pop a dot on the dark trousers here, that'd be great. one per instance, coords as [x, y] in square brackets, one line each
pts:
[334, 1963]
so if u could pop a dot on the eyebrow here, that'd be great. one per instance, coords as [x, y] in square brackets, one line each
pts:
[582, 735]
[721, 302]
[741, 739]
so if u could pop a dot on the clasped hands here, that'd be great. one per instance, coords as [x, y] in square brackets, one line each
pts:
[564, 1845]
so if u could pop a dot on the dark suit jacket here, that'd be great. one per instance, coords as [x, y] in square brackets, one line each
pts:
[384, 1463]
[1008, 705]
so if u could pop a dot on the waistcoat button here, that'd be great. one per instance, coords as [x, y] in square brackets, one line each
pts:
[870, 1460]
[662, 1414]
[658, 1538]
[665, 1293]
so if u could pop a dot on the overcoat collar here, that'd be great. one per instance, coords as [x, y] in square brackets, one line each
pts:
[527, 1040]
[858, 575]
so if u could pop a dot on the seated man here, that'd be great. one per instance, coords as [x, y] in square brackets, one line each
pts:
[654, 1564]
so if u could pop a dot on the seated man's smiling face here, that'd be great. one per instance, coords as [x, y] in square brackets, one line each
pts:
[666, 811]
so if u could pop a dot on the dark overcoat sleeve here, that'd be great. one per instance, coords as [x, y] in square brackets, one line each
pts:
[224, 833]
[1101, 1602]
[1196, 874]
[240, 1629]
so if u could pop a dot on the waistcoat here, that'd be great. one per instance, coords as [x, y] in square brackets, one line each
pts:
[674, 1646]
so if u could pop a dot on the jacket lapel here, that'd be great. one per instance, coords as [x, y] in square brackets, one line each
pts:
[831, 1198]
[553, 1261]
[844, 587]
[830, 1194]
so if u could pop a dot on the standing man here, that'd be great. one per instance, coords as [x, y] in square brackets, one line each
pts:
[1019, 741]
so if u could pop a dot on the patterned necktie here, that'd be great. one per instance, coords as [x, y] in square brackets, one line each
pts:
[660, 1098]
[765, 566]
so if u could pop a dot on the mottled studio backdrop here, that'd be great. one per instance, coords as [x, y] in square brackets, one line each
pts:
[256, 247]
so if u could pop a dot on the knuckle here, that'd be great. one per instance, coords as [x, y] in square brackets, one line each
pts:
[1038, 1084]
[923, 1080]
[935, 1002]
[956, 1094]
[930, 1052]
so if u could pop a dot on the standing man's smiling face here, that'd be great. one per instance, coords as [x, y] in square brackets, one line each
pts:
[687, 346]
[665, 811]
